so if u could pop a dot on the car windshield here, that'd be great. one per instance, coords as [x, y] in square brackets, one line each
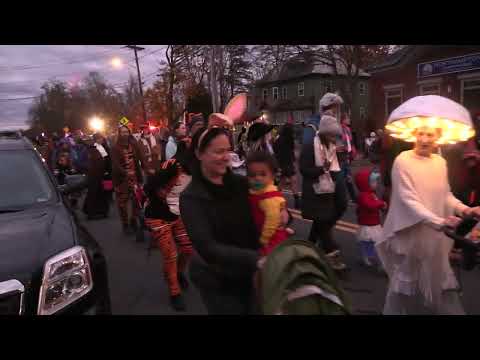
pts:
[23, 181]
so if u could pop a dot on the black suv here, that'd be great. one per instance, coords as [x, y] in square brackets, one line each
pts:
[49, 263]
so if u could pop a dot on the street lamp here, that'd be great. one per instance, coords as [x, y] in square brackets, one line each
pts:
[117, 63]
[96, 124]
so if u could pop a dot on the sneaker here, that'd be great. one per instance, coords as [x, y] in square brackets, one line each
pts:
[182, 280]
[334, 261]
[133, 224]
[177, 303]
[367, 262]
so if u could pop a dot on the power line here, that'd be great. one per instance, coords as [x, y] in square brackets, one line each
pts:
[22, 98]
[66, 62]
[76, 73]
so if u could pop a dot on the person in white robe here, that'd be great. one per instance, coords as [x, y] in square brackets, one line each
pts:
[414, 250]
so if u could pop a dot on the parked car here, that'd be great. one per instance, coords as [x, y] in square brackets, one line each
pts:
[49, 263]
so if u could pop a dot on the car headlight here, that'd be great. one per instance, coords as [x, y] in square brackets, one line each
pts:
[66, 278]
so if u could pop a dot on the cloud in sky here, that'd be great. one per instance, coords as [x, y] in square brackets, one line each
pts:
[24, 69]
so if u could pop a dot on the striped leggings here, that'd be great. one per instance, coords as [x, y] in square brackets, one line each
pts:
[123, 194]
[167, 236]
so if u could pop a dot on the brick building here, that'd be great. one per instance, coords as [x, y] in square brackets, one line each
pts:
[450, 71]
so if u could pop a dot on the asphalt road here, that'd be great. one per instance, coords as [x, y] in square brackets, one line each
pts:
[137, 285]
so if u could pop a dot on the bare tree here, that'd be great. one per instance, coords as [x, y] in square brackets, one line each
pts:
[347, 62]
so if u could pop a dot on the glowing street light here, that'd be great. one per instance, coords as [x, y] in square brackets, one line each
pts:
[96, 124]
[117, 63]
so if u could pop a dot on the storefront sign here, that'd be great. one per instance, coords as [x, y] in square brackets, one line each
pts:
[447, 66]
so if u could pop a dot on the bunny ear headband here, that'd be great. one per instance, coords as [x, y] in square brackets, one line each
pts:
[235, 113]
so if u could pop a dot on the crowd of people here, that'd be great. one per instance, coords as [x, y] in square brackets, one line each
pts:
[203, 215]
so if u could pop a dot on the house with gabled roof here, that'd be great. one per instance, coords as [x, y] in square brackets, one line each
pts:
[295, 88]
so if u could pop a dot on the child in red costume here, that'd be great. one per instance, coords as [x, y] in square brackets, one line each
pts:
[368, 214]
[266, 202]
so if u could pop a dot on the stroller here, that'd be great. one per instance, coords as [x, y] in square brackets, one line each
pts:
[470, 249]
[297, 280]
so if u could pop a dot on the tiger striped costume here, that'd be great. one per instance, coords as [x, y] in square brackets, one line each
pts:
[162, 216]
[126, 191]
[168, 235]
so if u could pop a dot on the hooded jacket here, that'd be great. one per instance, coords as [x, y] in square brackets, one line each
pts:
[368, 205]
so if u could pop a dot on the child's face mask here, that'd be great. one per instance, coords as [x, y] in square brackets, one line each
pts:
[256, 185]
[373, 180]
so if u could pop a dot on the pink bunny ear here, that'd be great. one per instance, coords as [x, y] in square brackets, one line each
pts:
[221, 120]
[236, 109]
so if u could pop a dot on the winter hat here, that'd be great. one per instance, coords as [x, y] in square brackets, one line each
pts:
[329, 125]
[330, 99]
[196, 119]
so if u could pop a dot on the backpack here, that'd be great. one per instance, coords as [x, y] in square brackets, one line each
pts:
[297, 280]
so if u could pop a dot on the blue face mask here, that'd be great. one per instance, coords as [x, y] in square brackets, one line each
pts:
[256, 185]
[373, 179]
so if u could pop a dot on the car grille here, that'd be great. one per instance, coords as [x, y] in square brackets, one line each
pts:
[11, 297]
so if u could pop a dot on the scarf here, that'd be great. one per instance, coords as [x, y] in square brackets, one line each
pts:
[101, 150]
[323, 154]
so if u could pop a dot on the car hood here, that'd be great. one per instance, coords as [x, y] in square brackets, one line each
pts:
[30, 237]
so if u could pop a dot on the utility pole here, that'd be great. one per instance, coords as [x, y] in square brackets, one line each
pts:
[213, 77]
[135, 49]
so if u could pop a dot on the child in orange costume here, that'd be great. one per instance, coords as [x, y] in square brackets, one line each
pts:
[266, 202]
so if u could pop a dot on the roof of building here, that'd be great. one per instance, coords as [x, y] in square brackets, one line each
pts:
[392, 59]
[305, 64]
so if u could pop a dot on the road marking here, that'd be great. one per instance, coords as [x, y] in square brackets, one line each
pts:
[349, 229]
[344, 224]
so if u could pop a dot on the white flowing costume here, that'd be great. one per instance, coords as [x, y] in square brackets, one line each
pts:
[414, 253]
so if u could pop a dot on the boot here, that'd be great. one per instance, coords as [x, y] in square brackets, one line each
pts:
[177, 303]
[133, 224]
[297, 203]
[127, 230]
[182, 280]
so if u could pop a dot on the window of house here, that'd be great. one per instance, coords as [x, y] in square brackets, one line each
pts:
[275, 93]
[264, 94]
[470, 96]
[328, 86]
[393, 99]
[431, 89]
[284, 93]
[301, 89]
[363, 112]
[362, 88]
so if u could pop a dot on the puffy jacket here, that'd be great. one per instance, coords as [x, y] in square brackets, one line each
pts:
[309, 132]
[368, 205]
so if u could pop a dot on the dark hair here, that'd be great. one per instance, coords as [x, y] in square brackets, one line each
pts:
[184, 157]
[160, 179]
[176, 125]
[264, 158]
[328, 107]
[207, 137]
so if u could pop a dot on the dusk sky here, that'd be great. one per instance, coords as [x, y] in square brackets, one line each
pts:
[24, 68]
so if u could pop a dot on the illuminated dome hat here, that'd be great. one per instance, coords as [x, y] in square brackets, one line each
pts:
[432, 111]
